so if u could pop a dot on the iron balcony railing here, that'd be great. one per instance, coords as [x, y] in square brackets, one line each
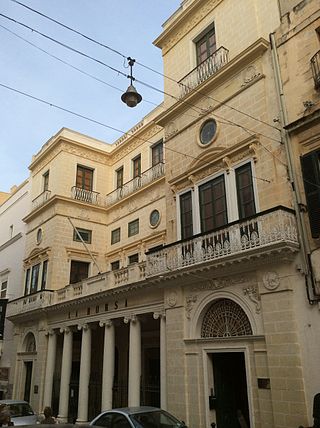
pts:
[203, 71]
[261, 231]
[146, 177]
[41, 199]
[85, 195]
[315, 66]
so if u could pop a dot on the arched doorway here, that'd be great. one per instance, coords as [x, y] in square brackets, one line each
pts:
[29, 348]
[224, 318]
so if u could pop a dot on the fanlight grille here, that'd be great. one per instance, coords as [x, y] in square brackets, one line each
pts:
[225, 318]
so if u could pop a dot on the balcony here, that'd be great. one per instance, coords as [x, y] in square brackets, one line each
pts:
[41, 199]
[269, 230]
[83, 195]
[32, 302]
[203, 71]
[315, 66]
[147, 177]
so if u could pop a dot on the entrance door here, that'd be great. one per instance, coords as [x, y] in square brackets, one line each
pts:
[230, 384]
[27, 383]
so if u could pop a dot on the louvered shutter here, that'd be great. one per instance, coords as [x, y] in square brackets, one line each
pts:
[311, 177]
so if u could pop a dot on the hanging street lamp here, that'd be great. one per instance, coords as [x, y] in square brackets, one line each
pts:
[131, 97]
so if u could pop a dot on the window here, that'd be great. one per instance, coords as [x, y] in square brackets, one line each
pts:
[133, 227]
[119, 177]
[26, 283]
[85, 234]
[245, 193]
[78, 271]
[44, 275]
[136, 164]
[84, 178]
[186, 215]
[311, 177]
[46, 181]
[206, 45]
[134, 258]
[115, 265]
[213, 206]
[154, 218]
[34, 278]
[115, 235]
[3, 291]
[208, 132]
[157, 153]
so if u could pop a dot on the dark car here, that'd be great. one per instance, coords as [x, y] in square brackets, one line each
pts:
[137, 417]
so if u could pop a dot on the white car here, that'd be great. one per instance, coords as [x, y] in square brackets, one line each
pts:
[21, 412]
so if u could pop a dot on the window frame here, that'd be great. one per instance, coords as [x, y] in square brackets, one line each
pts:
[136, 166]
[156, 153]
[82, 230]
[182, 226]
[205, 36]
[84, 169]
[114, 233]
[113, 264]
[133, 259]
[3, 290]
[82, 262]
[136, 229]
[45, 178]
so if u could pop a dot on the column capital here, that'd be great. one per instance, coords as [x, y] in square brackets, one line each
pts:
[83, 326]
[106, 323]
[159, 314]
[130, 318]
[65, 330]
[49, 332]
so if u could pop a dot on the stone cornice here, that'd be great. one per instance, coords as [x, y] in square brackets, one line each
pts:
[11, 241]
[183, 23]
[233, 67]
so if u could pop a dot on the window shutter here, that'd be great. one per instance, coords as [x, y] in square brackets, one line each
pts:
[311, 179]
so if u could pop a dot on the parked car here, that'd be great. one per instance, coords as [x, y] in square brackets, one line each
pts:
[137, 417]
[21, 412]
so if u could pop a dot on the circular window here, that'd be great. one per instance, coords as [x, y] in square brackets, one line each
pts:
[154, 218]
[208, 132]
[39, 236]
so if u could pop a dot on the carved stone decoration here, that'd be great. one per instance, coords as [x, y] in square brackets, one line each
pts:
[216, 284]
[190, 301]
[250, 74]
[254, 296]
[171, 129]
[227, 161]
[253, 151]
[271, 280]
[172, 299]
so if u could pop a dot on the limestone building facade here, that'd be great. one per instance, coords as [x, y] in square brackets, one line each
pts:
[168, 268]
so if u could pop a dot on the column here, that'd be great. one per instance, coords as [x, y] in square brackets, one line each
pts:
[51, 358]
[163, 360]
[134, 377]
[108, 364]
[85, 366]
[65, 374]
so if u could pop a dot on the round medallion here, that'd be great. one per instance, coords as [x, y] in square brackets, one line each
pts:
[154, 218]
[208, 132]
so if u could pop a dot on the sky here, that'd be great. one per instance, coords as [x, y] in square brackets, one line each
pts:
[27, 65]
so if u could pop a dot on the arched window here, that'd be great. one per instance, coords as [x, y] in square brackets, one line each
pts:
[225, 318]
[30, 343]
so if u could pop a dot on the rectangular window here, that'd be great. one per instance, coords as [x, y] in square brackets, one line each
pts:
[134, 258]
[245, 193]
[119, 177]
[311, 178]
[84, 178]
[85, 234]
[34, 278]
[115, 265]
[44, 275]
[46, 181]
[136, 164]
[3, 291]
[26, 282]
[186, 215]
[115, 235]
[78, 271]
[157, 153]
[133, 227]
[206, 45]
[213, 205]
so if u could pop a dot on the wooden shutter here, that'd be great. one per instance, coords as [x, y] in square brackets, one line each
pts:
[311, 178]
[186, 215]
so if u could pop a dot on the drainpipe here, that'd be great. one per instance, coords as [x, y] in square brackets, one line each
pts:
[297, 203]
